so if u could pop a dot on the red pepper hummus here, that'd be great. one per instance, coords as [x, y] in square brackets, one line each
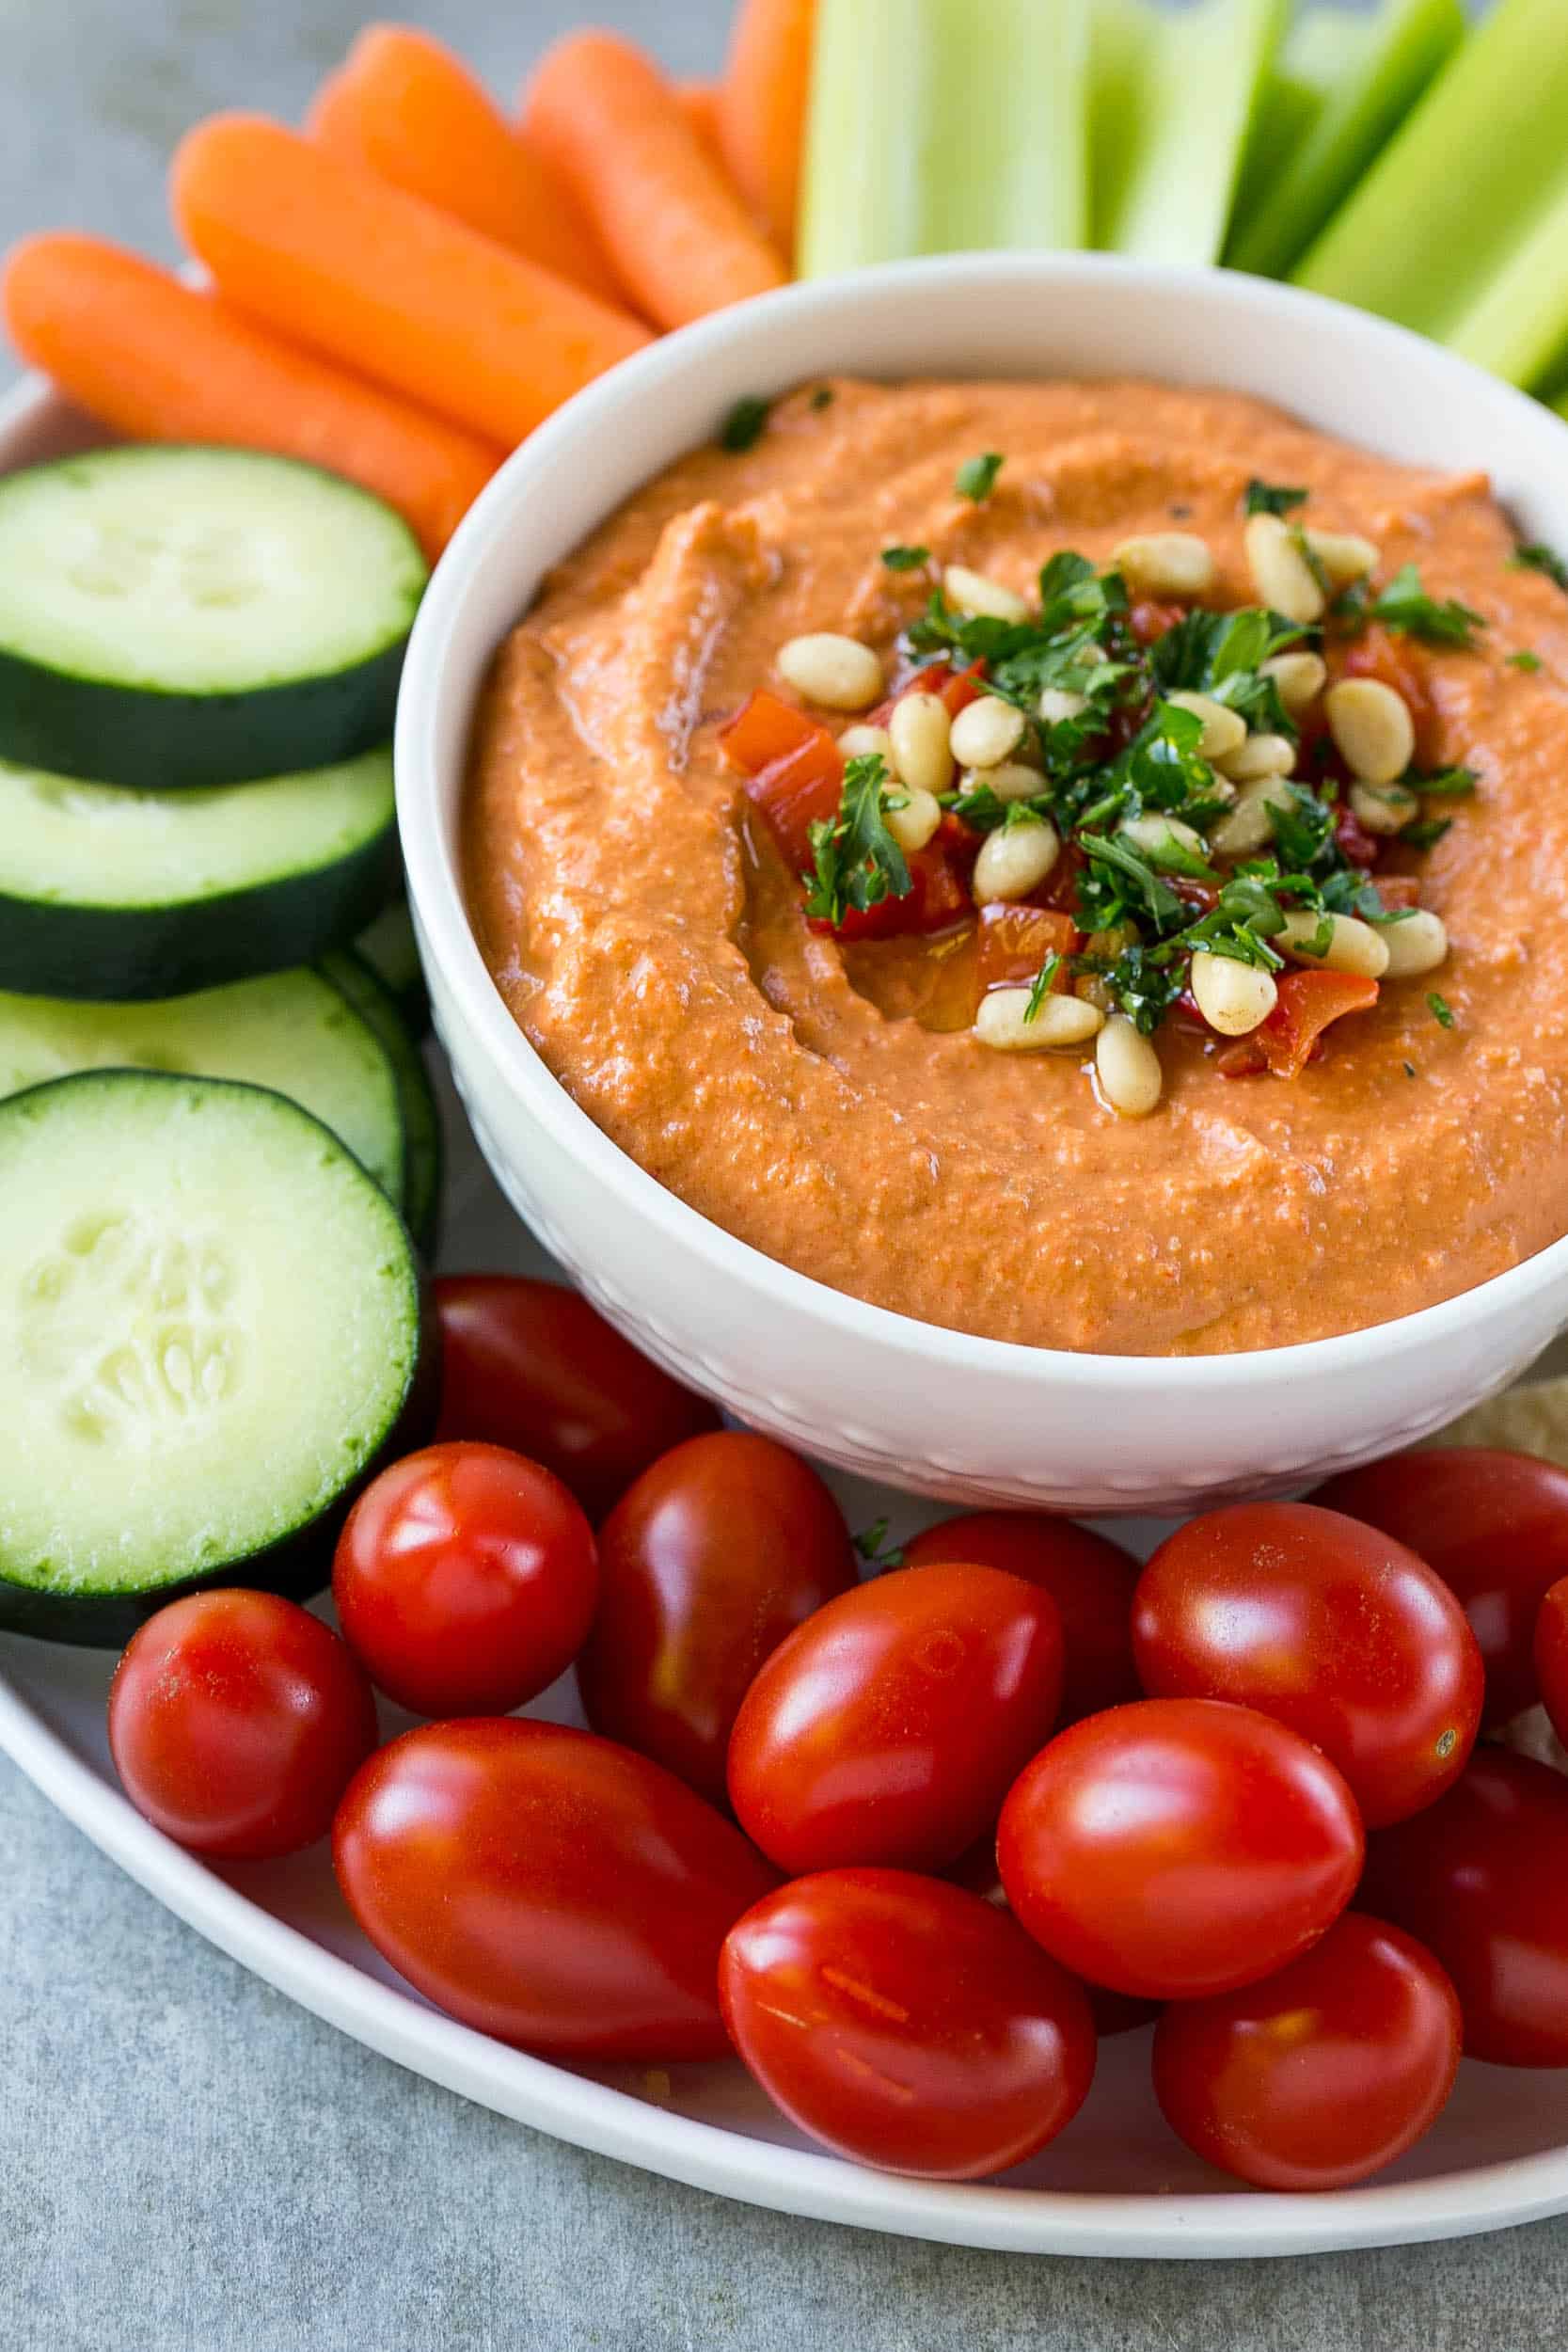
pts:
[816, 1094]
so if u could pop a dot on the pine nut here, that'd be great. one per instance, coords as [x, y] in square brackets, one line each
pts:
[1344, 556]
[1015, 860]
[1259, 755]
[986, 732]
[1057, 703]
[1128, 1068]
[1419, 943]
[1153, 831]
[980, 597]
[1299, 676]
[1012, 781]
[863, 743]
[1371, 727]
[837, 673]
[1246, 828]
[1384, 807]
[921, 737]
[1061, 1022]
[1167, 563]
[912, 825]
[1280, 573]
[1233, 998]
[1352, 945]
[1224, 730]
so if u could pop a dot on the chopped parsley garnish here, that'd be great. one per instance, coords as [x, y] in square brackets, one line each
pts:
[1044, 979]
[976, 477]
[906, 559]
[874, 1549]
[1425, 831]
[1535, 556]
[1404, 605]
[1441, 1010]
[822, 397]
[1272, 498]
[856, 862]
[1453, 782]
[1524, 659]
[745, 425]
[1410, 1070]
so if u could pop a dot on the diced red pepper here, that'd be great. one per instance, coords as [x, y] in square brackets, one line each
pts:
[1379, 653]
[1016, 940]
[1150, 621]
[793, 770]
[1308, 1001]
[1359, 847]
[937, 898]
[1202, 896]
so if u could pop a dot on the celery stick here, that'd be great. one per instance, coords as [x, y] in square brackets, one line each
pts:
[1288, 106]
[1173, 98]
[1518, 324]
[1377, 70]
[932, 130]
[1452, 200]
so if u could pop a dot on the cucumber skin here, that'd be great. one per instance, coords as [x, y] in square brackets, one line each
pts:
[158, 743]
[298, 1565]
[424, 1151]
[131, 955]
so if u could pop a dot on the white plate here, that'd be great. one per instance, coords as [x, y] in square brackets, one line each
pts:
[1118, 2183]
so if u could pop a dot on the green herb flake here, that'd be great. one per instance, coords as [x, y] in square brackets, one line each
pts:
[905, 559]
[1526, 661]
[976, 478]
[1410, 1070]
[1272, 498]
[1406, 606]
[1441, 1010]
[1535, 556]
[874, 1549]
[857, 863]
[1425, 832]
[1044, 978]
[822, 398]
[1452, 783]
[745, 425]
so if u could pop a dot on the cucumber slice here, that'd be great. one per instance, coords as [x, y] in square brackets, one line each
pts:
[391, 949]
[174, 618]
[1372, 70]
[116, 895]
[294, 1032]
[1172, 98]
[215, 1332]
[424, 1153]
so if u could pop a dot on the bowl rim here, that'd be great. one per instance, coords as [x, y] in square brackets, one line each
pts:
[434, 883]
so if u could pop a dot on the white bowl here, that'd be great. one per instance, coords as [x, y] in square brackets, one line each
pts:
[930, 1409]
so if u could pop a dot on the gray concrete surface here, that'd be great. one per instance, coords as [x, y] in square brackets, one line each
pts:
[190, 2163]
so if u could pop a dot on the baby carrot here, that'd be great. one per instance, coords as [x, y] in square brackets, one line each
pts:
[699, 102]
[762, 108]
[158, 361]
[405, 107]
[335, 258]
[674, 227]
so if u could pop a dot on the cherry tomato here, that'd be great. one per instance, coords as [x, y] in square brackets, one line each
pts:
[464, 1581]
[1178, 1846]
[1551, 1656]
[1482, 1877]
[1089, 1578]
[1328, 1625]
[547, 1886]
[1113, 2012]
[236, 1720]
[1318, 2075]
[905, 2023]
[887, 1729]
[532, 1366]
[1493, 1525]
[717, 1552]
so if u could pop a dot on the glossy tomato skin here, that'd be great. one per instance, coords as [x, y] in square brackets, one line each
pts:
[719, 1550]
[464, 1579]
[1089, 1578]
[236, 1720]
[1330, 1626]
[1483, 1878]
[887, 1729]
[1551, 1656]
[1179, 1847]
[547, 1886]
[1494, 1527]
[1113, 2012]
[906, 2023]
[1322, 2075]
[532, 1366]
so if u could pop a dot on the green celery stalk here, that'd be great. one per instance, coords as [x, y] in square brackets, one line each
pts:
[1518, 326]
[933, 131]
[1461, 195]
[1375, 70]
[1173, 99]
[1288, 106]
